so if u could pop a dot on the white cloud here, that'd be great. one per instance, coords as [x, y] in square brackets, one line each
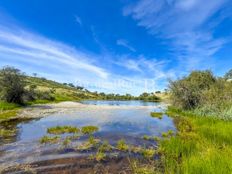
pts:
[54, 60]
[124, 43]
[185, 24]
[20, 43]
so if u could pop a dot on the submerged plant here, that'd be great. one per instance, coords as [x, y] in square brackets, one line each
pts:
[49, 140]
[89, 129]
[121, 145]
[157, 115]
[62, 129]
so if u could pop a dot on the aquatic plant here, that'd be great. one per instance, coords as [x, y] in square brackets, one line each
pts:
[135, 149]
[164, 134]
[148, 152]
[62, 129]
[155, 138]
[85, 146]
[121, 145]
[99, 156]
[49, 140]
[93, 141]
[67, 141]
[146, 137]
[156, 114]
[148, 168]
[105, 147]
[89, 129]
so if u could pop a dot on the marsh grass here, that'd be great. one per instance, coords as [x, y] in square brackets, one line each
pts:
[67, 141]
[89, 129]
[122, 146]
[49, 140]
[7, 114]
[202, 145]
[105, 147]
[146, 137]
[93, 141]
[158, 115]
[7, 133]
[8, 106]
[90, 144]
[148, 153]
[148, 168]
[99, 156]
[62, 129]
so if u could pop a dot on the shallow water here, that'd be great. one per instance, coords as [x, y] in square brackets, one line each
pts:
[114, 124]
[120, 103]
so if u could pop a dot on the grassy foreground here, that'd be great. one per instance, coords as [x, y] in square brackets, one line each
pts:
[203, 145]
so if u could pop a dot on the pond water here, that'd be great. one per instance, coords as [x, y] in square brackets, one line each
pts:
[117, 123]
[120, 103]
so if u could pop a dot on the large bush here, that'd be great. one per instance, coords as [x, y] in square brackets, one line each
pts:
[12, 85]
[204, 94]
[187, 93]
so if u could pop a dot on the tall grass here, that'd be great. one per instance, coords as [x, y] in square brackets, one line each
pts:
[203, 145]
[8, 106]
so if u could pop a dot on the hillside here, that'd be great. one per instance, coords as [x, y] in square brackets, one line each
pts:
[59, 91]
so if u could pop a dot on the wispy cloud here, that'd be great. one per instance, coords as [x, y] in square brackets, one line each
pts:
[21, 43]
[186, 24]
[57, 60]
[124, 43]
[78, 20]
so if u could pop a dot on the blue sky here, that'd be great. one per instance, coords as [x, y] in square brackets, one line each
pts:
[119, 46]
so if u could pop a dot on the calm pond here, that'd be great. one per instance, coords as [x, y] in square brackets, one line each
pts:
[114, 123]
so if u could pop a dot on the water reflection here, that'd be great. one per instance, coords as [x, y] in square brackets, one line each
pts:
[114, 124]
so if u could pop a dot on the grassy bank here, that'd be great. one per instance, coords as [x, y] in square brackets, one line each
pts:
[8, 110]
[202, 145]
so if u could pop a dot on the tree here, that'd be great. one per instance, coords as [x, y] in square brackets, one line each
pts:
[228, 75]
[186, 93]
[12, 85]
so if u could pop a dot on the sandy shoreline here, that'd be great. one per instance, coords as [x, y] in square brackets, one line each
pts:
[42, 110]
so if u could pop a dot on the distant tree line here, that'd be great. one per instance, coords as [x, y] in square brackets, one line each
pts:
[15, 88]
[144, 96]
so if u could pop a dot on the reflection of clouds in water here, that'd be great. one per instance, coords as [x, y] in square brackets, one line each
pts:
[128, 121]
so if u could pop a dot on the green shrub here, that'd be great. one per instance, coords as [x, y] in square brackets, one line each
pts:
[12, 83]
[186, 93]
